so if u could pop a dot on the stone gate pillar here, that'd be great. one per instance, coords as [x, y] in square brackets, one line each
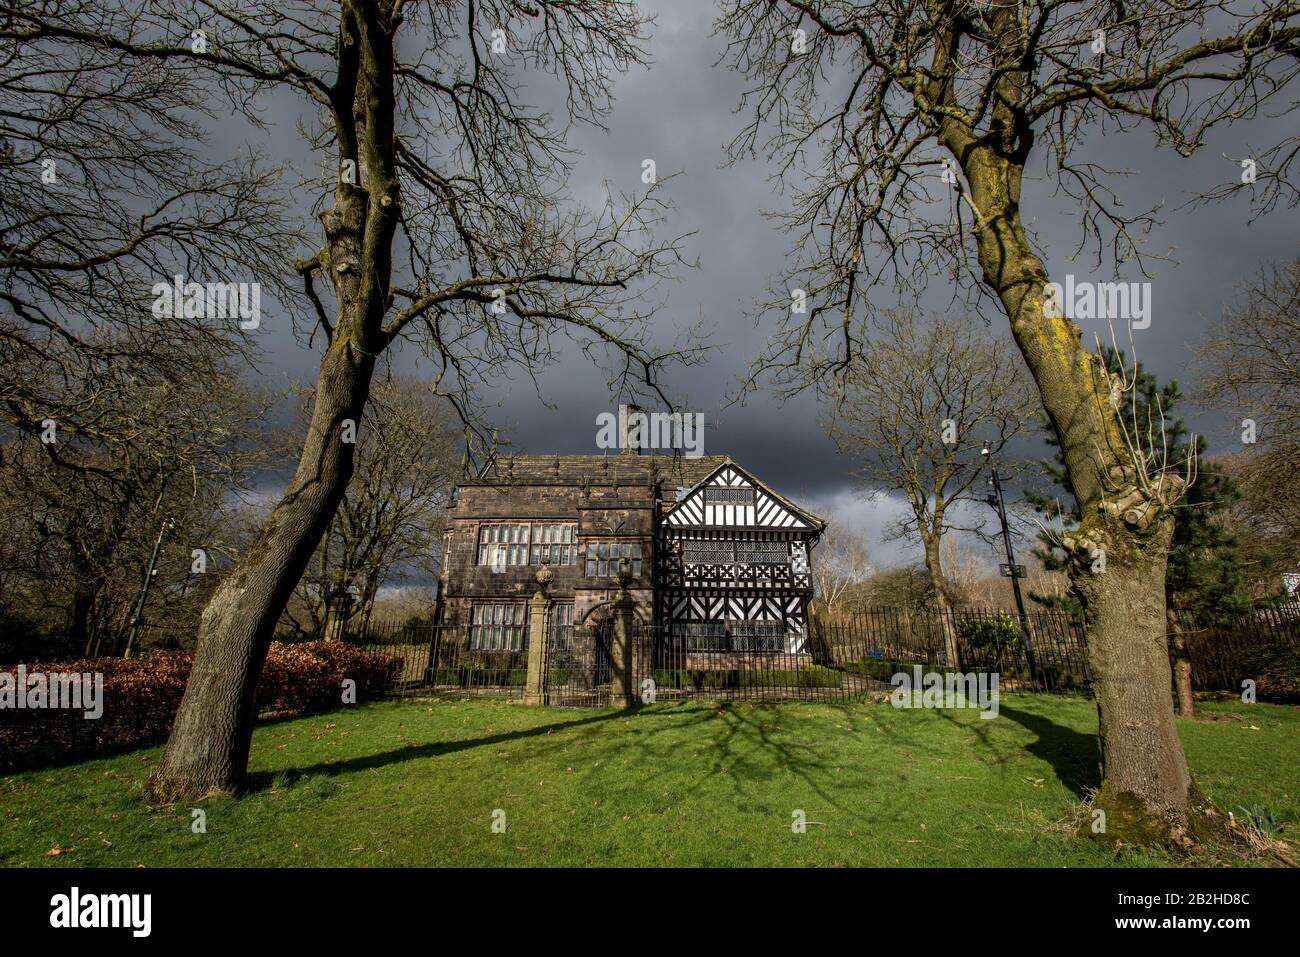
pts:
[539, 607]
[620, 645]
[338, 609]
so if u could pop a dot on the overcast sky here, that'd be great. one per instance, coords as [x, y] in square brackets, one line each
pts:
[680, 111]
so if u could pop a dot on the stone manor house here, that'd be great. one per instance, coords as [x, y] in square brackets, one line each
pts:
[719, 561]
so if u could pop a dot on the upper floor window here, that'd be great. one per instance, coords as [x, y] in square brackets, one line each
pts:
[697, 550]
[763, 553]
[527, 544]
[553, 543]
[718, 495]
[726, 551]
[602, 558]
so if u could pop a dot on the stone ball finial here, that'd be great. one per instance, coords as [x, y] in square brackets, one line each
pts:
[544, 576]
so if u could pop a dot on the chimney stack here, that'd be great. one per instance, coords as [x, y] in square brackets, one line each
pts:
[631, 427]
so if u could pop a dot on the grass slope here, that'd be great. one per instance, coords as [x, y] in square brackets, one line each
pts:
[416, 783]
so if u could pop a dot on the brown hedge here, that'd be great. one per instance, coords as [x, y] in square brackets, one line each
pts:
[142, 695]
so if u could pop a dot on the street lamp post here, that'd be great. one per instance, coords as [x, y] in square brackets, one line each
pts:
[167, 526]
[1011, 569]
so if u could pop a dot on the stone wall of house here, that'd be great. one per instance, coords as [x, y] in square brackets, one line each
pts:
[602, 513]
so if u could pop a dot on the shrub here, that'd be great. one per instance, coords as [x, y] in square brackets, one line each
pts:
[818, 676]
[456, 665]
[142, 695]
[885, 670]
[697, 678]
[994, 635]
[23, 637]
[1276, 670]
[714, 679]
[309, 676]
[467, 676]
[873, 668]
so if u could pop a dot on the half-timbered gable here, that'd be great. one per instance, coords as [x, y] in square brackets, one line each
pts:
[730, 498]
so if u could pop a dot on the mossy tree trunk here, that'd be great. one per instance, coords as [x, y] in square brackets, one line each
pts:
[208, 749]
[1119, 553]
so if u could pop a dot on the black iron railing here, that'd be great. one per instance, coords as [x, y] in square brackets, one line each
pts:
[835, 657]
[443, 658]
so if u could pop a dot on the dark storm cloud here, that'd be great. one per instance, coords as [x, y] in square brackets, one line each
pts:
[681, 110]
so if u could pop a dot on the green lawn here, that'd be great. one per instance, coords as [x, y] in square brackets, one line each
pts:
[416, 783]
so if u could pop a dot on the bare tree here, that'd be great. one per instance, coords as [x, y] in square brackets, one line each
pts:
[443, 223]
[1264, 519]
[843, 561]
[1249, 364]
[907, 129]
[976, 581]
[163, 452]
[405, 604]
[408, 461]
[969, 579]
[108, 186]
[903, 587]
[915, 409]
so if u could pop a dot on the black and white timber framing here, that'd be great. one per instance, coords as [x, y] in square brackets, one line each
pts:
[733, 563]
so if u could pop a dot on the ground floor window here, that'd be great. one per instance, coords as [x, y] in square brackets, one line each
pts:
[562, 621]
[731, 634]
[498, 626]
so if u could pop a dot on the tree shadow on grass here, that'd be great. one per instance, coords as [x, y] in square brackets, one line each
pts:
[262, 780]
[1074, 756]
[749, 748]
[754, 743]
[743, 744]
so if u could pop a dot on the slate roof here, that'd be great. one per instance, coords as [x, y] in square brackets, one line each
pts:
[613, 469]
